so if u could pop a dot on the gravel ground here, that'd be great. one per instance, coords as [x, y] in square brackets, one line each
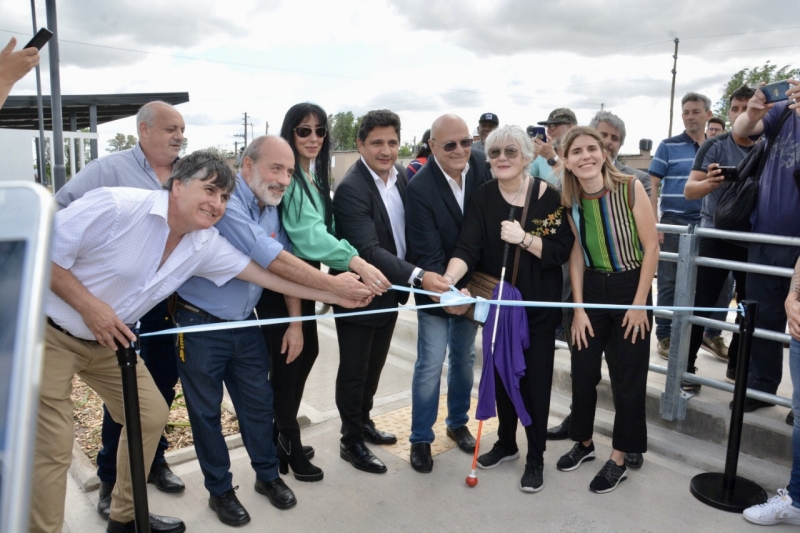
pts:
[88, 416]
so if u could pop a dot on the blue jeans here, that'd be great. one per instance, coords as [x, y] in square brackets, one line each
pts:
[239, 358]
[667, 271]
[435, 335]
[794, 370]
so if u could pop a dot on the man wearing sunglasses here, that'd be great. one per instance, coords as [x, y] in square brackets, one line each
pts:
[435, 203]
[558, 124]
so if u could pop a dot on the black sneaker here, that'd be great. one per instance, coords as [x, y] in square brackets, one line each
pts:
[533, 478]
[499, 454]
[608, 478]
[573, 458]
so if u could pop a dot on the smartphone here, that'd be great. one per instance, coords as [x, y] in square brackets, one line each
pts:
[26, 219]
[729, 174]
[40, 39]
[775, 92]
[537, 132]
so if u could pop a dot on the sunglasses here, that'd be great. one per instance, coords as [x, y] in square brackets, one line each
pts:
[511, 152]
[305, 131]
[451, 145]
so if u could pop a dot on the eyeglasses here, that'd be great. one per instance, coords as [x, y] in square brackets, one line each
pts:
[511, 152]
[305, 131]
[451, 145]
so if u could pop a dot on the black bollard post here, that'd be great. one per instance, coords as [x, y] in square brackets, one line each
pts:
[727, 491]
[126, 357]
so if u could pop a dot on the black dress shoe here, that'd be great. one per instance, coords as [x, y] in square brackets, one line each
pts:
[751, 404]
[634, 460]
[463, 438]
[376, 436]
[277, 492]
[228, 508]
[164, 480]
[104, 502]
[561, 431]
[158, 524]
[360, 457]
[789, 421]
[421, 459]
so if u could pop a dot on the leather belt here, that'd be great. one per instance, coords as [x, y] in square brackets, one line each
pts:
[65, 332]
[183, 304]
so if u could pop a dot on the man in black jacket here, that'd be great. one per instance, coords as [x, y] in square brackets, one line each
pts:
[369, 212]
[435, 203]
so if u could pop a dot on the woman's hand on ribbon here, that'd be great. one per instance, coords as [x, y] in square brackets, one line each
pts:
[459, 309]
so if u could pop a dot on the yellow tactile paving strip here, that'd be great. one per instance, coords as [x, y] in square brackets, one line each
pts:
[399, 423]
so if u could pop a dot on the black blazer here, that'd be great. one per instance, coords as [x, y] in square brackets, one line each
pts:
[433, 218]
[361, 218]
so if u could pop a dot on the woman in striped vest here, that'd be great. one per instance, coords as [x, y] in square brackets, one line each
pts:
[613, 261]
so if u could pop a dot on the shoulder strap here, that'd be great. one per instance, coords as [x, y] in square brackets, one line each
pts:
[523, 219]
[772, 136]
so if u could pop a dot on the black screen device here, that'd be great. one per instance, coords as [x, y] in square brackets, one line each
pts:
[40, 39]
[730, 174]
[537, 132]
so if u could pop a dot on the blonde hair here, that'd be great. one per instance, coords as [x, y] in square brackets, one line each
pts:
[570, 186]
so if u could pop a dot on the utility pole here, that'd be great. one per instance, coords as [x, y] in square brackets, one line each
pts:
[245, 130]
[266, 130]
[672, 94]
[58, 169]
[602, 106]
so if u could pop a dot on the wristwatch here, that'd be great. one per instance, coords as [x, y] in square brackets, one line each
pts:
[552, 161]
[417, 281]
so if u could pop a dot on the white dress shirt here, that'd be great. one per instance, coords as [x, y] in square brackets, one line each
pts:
[393, 203]
[113, 238]
[458, 191]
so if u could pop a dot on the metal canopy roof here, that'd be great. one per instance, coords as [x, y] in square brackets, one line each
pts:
[20, 112]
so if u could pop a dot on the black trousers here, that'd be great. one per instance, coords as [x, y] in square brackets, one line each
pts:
[709, 285]
[289, 379]
[362, 354]
[627, 363]
[535, 387]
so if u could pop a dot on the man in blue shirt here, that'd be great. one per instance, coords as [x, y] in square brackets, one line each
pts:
[239, 357]
[672, 164]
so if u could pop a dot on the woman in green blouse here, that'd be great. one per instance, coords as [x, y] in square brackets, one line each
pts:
[308, 221]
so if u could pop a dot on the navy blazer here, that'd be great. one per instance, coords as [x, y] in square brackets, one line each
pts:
[433, 218]
[361, 218]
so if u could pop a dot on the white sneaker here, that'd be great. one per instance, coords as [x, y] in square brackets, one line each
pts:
[777, 510]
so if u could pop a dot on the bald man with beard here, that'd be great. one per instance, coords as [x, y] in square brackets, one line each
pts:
[436, 200]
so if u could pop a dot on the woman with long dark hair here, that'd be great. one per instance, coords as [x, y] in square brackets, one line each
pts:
[423, 154]
[613, 261]
[308, 221]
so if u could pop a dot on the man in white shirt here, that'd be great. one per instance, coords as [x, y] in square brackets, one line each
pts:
[370, 214]
[117, 252]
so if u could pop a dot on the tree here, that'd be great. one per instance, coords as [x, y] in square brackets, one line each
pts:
[121, 142]
[752, 77]
[343, 128]
[220, 151]
[184, 145]
[407, 150]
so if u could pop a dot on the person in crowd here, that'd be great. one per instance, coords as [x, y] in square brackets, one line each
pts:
[601, 202]
[706, 182]
[558, 123]
[486, 125]
[423, 154]
[307, 219]
[545, 243]
[369, 211]
[116, 252]
[715, 126]
[147, 165]
[784, 508]
[14, 66]
[775, 214]
[672, 163]
[435, 203]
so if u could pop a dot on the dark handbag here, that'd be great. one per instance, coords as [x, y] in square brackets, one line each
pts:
[482, 284]
[738, 200]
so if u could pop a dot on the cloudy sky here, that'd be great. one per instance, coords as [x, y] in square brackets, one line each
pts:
[420, 58]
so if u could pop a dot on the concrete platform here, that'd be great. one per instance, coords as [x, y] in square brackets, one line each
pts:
[655, 498]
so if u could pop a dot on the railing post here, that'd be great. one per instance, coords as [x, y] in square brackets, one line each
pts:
[673, 403]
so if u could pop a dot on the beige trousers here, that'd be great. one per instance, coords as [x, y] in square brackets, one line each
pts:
[65, 356]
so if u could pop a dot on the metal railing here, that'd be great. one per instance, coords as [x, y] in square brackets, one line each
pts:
[673, 403]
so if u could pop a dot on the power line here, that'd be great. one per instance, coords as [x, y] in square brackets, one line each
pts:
[742, 50]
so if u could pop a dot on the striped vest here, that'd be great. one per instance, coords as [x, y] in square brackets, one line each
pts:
[607, 230]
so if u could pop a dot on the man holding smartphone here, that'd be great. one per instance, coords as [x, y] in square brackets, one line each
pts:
[14, 66]
[558, 124]
[705, 182]
[775, 214]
